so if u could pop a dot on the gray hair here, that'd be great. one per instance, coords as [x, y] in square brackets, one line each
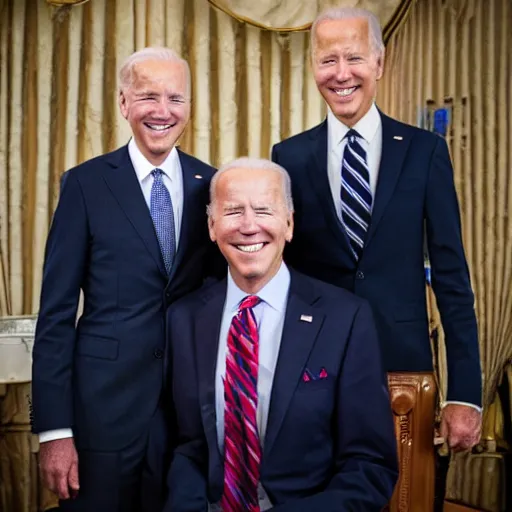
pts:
[150, 53]
[253, 164]
[341, 13]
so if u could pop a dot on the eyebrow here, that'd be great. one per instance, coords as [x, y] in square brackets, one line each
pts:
[232, 207]
[146, 93]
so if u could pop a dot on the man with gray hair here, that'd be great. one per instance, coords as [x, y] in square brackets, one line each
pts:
[278, 390]
[129, 232]
[369, 191]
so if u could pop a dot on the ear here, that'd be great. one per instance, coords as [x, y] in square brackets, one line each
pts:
[380, 66]
[211, 228]
[289, 228]
[123, 106]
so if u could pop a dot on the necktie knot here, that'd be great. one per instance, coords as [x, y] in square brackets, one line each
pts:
[157, 173]
[249, 302]
[352, 135]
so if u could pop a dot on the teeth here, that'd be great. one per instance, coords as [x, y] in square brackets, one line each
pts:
[159, 127]
[250, 248]
[345, 92]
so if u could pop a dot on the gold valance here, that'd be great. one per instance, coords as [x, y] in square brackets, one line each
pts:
[62, 3]
[295, 15]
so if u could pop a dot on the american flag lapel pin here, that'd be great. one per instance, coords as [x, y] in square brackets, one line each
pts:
[306, 318]
[198, 177]
[398, 137]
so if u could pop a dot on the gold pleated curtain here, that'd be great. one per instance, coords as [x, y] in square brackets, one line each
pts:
[458, 55]
[251, 88]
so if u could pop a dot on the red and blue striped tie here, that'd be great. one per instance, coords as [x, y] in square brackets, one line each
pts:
[242, 450]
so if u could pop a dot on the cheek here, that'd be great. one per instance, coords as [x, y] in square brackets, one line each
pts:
[182, 113]
[225, 230]
[322, 76]
[137, 114]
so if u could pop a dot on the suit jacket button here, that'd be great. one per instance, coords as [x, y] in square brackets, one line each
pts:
[158, 353]
[359, 275]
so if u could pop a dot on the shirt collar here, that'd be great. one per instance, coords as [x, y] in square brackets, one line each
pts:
[274, 293]
[143, 167]
[367, 126]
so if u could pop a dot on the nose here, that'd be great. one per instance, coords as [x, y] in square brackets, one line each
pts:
[342, 71]
[163, 109]
[249, 225]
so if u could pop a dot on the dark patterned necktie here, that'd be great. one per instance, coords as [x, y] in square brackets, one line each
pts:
[163, 218]
[242, 451]
[356, 195]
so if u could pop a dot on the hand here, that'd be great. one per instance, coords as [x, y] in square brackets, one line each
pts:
[58, 465]
[461, 426]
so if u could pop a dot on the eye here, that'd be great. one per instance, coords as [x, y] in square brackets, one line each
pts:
[177, 100]
[263, 212]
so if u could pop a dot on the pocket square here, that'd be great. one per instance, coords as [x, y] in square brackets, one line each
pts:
[308, 375]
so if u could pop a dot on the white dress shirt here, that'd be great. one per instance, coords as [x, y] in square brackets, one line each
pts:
[269, 313]
[173, 180]
[369, 128]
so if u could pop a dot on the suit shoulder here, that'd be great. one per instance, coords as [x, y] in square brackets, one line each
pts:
[299, 138]
[202, 167]
[93, 165]
[191, 301]
[417, 133]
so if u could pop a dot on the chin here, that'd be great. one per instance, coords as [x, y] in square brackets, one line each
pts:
[251, 275]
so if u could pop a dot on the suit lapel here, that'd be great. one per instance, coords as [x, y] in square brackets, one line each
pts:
[296, 344]
[193, 208]
[124, 185]
[395, 143]
[207, 328]
[317, 170]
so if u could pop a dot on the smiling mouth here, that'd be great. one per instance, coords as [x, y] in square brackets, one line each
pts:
[346, 91]
[250, 248]
[159, 127]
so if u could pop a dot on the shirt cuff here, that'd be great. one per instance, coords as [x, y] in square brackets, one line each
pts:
[455, 402]
[53, 435]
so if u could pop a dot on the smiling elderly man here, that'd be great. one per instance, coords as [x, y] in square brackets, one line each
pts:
[279, 393]
[370, 193]
[130, 232]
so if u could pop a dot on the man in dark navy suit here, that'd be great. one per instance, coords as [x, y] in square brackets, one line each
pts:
[130, 232]
[279, 393]
[368, 191]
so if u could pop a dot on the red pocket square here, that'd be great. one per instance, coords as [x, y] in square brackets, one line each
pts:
[308, 375]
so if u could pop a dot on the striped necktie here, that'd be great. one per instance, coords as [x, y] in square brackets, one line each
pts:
[162, 214]
[356, 195]
[242, 450]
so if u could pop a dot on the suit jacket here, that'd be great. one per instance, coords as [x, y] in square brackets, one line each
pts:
[415, 200]
[103, 377]
[329, 443]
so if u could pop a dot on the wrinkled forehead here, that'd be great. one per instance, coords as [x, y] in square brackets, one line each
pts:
[159, 72]
[341, 33]
[250, 187]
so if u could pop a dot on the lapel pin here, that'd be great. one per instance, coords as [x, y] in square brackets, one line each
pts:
[398, 137]
[198, 177]
[306, 318]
